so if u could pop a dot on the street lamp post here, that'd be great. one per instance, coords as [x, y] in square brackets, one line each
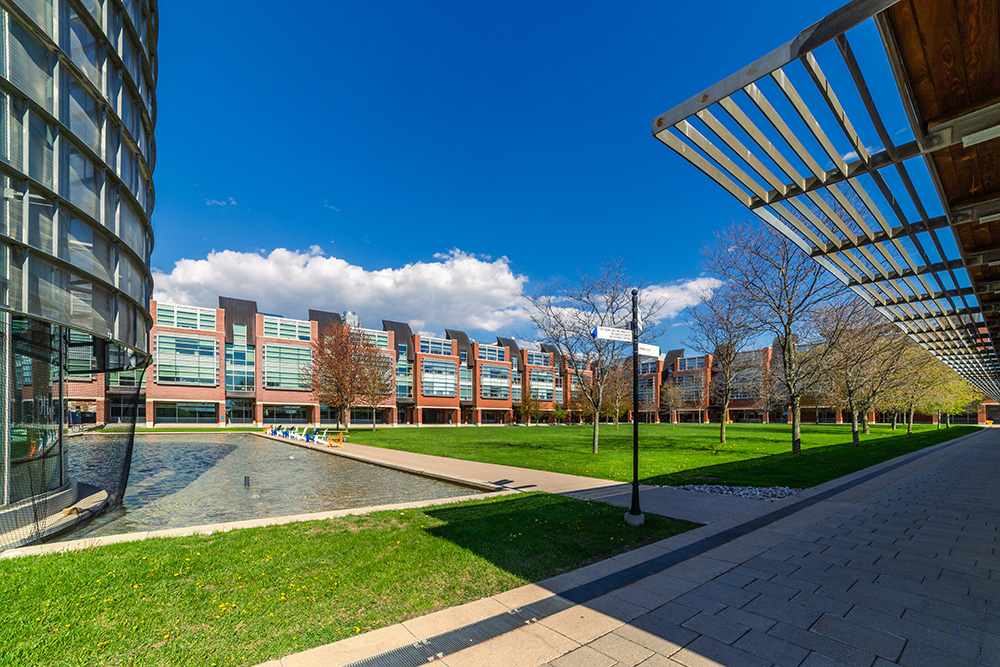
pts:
[634, 516]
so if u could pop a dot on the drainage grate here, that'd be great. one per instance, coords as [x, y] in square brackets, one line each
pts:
[453, 641]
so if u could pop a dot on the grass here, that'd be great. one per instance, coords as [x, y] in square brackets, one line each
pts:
[755, 454]
[253, 595]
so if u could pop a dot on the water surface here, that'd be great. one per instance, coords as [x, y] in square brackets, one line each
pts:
[181, 480]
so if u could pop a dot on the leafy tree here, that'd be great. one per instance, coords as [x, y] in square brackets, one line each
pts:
[349, 370]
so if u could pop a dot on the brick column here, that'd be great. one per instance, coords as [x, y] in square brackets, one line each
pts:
[418, 416]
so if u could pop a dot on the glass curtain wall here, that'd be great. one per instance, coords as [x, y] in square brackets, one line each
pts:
[77, 107]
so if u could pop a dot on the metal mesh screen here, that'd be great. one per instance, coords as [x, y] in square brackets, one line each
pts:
[51, 480]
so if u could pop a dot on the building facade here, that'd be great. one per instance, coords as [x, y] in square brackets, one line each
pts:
[233, 365]
[77, 99]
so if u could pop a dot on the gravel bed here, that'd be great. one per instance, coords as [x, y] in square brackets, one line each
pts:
[755, 492]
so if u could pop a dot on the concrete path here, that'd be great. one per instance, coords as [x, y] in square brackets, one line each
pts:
[897, 564]
[668, 501]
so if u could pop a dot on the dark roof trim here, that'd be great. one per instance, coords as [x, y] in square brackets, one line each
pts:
[239, 311]
[515, 352]
[324, 320]
[463, 343]
[402, 334]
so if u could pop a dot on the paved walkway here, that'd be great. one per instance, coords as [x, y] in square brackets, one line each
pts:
[897, 564]
[668, 501]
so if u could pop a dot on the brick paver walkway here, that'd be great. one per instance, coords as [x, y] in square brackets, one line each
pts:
[899, 564]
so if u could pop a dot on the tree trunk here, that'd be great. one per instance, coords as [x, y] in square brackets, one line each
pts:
[947, 423]
[796, 425]
[854, 427]
[595, 434]
[374, 426]
[722, 422]
[909, 422]
[865, 426]
[895, 418]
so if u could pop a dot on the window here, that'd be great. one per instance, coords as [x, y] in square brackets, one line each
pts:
[647, 368]
[435, 346]
[437, 377]
[79, 357]
[125, 378]
[746, 384]
[186, 413]
[464, 382]
[515, 385]
[83, 48]
[492, 353]
[239, 410]
[542, 384]
[285, 414]
[378, 338]
[690, 363]
[404, 375]
[84, 190]
[186, 360]
[286, 367]
[124, 410]
[494, 382]
[579, 381]
[559, 390]
[280, 327]
[647, 393]
[185, 317]
[537, 359]
[239, 361]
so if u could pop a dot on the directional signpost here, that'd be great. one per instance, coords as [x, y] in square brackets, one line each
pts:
[631, 335]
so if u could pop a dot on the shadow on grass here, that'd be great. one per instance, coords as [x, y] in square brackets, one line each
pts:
[539, 535]
[813, 466]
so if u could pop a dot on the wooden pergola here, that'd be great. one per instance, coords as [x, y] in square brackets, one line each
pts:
[911, 223]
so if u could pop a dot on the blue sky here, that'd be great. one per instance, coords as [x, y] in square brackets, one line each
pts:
[432, 161]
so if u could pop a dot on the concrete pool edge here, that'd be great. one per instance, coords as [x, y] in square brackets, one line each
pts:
[86, 543]
[423, 472]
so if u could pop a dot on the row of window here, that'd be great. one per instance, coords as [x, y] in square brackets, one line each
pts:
[690, 363]
[280, 327]
[185, 317]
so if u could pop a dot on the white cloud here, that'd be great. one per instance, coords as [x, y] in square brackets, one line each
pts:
[217, 202]
[457, 290]
[326, 204]
[680, 295]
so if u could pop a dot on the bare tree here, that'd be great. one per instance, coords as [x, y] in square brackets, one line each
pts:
[865, 359]
[670, 400]
[720, 325]
[617, 392]
[565, 315]
[782, 288]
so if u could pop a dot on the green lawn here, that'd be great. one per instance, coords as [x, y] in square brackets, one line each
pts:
[755, 454]
[253, 595]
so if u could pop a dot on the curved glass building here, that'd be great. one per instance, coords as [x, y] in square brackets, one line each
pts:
[78, 108]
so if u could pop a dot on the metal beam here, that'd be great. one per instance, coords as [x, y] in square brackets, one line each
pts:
[833, 176]
[909, 273]
[815, 35]
[878, 236]
[932, 296]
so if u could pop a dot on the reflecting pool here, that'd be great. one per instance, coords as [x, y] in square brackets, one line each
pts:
[181, 480]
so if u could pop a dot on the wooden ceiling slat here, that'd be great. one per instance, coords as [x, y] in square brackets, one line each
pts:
[980, 29]
[903, 19]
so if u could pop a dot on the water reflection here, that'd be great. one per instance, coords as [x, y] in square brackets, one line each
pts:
[192, 479]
